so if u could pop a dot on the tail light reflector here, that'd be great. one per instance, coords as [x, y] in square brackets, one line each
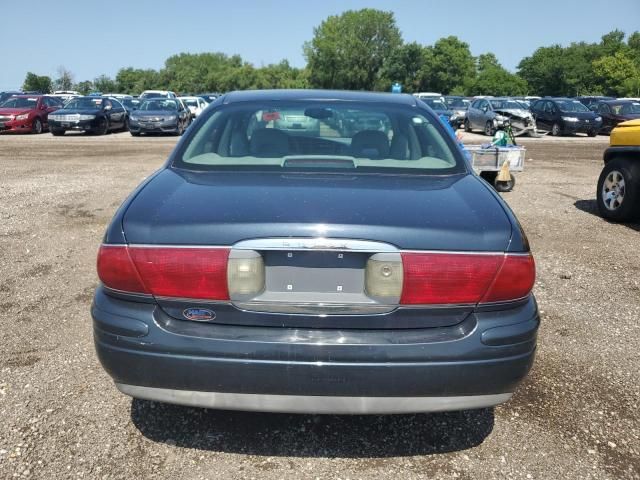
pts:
[117, 271]
[167, 272]
[450, 278]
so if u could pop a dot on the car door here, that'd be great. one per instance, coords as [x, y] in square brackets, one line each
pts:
[117, 114]
[544, 120]
[48, 105]
[607, 118]
[473, 113]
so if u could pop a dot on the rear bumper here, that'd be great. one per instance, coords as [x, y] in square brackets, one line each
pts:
[313, 404]
[476, 363]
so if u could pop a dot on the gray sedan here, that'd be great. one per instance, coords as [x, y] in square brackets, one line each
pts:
[488, 114]
[160, 115]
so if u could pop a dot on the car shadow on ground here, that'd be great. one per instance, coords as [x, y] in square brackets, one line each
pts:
[270, 434]
[591, 206]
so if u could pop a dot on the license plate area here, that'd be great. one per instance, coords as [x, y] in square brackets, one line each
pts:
[314, 277]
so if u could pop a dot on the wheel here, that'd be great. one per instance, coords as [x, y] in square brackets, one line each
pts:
[618, 194]
[57, 132]
[592, 133]
[134, 134]
[556, 130]
[467, 125]
[103, 128]
[505, 186]
[488, 129]
[36, 126]
[489, 177]
[180, 130]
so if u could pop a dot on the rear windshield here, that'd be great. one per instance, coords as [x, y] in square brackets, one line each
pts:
[435, 103]
[320, 135]
[20, 102]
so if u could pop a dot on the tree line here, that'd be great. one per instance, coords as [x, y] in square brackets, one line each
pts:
[364, 50]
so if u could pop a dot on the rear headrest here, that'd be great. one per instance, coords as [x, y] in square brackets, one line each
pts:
[370, 144]
[269, 142]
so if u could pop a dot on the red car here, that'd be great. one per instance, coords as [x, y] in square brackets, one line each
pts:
[27, 113]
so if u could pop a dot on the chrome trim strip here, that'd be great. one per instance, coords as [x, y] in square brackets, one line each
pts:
[318, 243]
[312, 404]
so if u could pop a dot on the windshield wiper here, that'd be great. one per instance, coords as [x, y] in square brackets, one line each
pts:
[322, 161]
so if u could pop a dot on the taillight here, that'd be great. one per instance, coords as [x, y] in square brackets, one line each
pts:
[167, 272]
[514, 280]
[450, 278]
[117, 271]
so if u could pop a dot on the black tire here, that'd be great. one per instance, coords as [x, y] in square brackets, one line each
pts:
[180, 129]
[36, 126]
[57, 132]
[505, 186]
[619, 202]
[488, 129]
[592, 133]
[467, 125]
[556, 130]
[134, 134]
[489, 177]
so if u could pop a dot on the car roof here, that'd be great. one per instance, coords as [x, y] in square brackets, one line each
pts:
[617, 102]
[317, 95]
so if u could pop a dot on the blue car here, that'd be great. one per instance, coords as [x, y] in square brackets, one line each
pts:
[317, 272]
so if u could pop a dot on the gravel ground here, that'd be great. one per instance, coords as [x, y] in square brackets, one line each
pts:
[576, 415]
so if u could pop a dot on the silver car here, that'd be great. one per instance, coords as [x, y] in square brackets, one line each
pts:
[488, 114]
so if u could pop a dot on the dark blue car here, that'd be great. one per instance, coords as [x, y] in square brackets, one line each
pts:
[308, 271]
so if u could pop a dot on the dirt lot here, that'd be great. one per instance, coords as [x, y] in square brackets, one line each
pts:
[577, 416]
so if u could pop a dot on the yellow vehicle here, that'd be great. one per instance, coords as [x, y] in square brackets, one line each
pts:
[618, 193]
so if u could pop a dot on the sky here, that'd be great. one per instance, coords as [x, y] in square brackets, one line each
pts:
[91, 38]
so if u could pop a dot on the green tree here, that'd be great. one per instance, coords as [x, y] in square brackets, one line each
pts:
[136, 80]
[38, 83]
[494, 79]
[448, 65]
[404, 65]
[349, 50]
[84, 87]
[105, 84]
[618, 74]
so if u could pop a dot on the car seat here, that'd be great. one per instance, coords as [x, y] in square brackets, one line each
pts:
[269, 143]
[372, 144]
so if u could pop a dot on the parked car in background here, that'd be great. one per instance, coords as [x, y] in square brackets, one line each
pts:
[587, 101]
[160, 115]
[27, 113]
[118, 96]
[8, 94]
[196, 105]
[130, 104]
[458, 105]
[296, 122]
[368, 274]
[97, 115]
[618, 191]
[561, 116]
[614, 112]
[439, 106]
[209, 97]
[157, 94]
[488, 114]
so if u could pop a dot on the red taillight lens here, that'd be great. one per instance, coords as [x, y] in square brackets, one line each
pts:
[183, 272]
[116, 269]
[514, 280]
[445, 279]
[167, 272]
